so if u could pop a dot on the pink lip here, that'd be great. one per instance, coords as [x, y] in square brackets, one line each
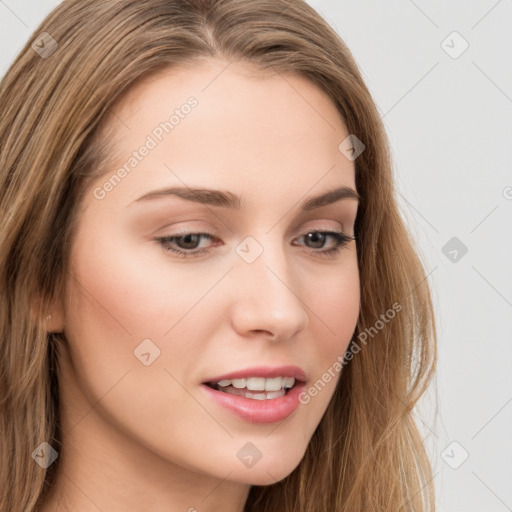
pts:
[263, 371]
[260, 411]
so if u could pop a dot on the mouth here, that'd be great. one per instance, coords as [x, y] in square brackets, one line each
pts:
[263, 394]
[255, 388]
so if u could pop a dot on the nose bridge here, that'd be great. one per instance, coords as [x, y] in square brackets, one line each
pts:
[269, 297]
[263, 262]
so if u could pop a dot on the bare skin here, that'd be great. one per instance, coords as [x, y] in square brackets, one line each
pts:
[142, 437]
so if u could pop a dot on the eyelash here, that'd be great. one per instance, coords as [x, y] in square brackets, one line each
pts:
[341, 239]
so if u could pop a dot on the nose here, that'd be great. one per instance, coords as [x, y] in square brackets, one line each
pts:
[267, 297]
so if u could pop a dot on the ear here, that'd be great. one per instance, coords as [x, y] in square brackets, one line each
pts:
[52, 317]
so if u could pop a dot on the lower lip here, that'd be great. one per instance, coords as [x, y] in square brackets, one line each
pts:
[258, 411]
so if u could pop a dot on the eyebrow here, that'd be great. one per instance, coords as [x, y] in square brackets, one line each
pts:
[226, 199]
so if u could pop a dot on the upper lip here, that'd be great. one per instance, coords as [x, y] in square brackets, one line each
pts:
[263, 371]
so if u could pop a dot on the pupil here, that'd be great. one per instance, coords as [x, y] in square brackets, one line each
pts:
[188, 242]
[312, 236]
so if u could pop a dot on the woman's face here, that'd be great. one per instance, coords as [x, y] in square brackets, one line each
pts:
[252, 293]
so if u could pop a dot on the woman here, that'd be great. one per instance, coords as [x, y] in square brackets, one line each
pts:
[209, 298]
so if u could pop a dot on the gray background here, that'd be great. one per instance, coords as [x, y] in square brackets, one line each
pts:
[449, 121]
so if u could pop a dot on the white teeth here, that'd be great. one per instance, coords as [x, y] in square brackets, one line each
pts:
[238, 383]
[273, 384]
[275, 394]
[255, 395]
[256, 384]
[290, 381]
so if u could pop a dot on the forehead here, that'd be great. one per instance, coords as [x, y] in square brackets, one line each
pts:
[208, 76]
[247, 126]
[223, 87]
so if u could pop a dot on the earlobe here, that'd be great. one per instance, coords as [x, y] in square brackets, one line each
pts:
[52, 316]
[52, 326]
[54, 320]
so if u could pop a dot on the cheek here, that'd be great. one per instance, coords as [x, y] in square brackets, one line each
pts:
[115, 304]
[121, 296]
[336, 310]
[131, 291]
[335, 304]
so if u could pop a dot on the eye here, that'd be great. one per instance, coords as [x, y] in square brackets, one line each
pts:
[185, 245]
[318, 238]
[188, 244]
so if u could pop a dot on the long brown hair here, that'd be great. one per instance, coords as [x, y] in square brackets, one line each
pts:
[366, 453]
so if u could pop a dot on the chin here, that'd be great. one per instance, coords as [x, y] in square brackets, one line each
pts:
[265, 473]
